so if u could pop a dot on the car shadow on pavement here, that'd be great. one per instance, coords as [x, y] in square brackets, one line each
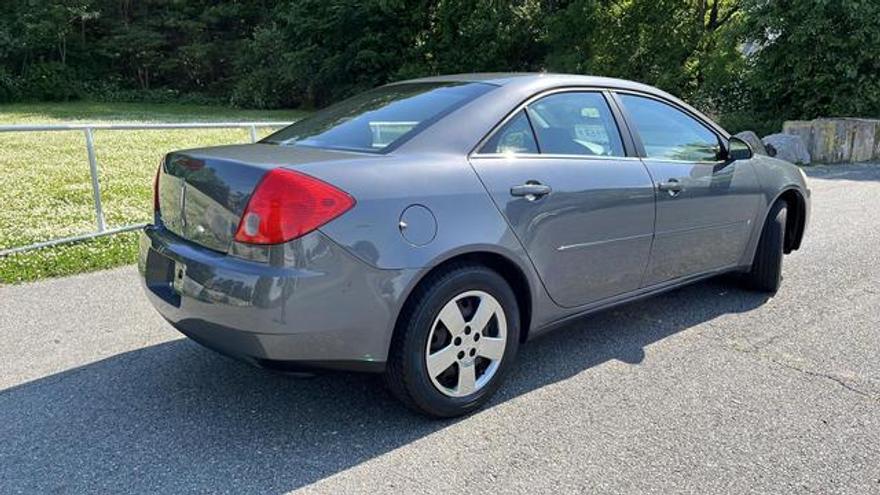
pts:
[175, 417]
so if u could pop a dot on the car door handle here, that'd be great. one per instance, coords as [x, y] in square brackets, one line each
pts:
[672, 186]
[532, 190]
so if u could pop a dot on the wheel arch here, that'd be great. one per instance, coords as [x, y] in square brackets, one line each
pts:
[512, 272]
[797, 217]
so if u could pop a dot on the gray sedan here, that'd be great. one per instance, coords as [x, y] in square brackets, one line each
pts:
[425, 229]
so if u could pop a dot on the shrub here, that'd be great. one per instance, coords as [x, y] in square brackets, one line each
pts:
[10, 87]
[50, 81]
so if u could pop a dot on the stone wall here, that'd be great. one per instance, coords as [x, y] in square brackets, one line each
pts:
[838, 140]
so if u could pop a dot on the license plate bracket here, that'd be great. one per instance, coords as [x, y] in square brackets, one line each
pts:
[161, 276]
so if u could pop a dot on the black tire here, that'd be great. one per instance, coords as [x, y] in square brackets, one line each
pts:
[766, 272]
[407, 372]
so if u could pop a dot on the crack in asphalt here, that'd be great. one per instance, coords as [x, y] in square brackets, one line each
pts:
[817, 374]
[827, 376]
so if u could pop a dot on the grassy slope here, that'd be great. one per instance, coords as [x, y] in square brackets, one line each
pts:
[45, 190]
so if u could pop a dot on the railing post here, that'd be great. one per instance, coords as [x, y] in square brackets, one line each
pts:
[88, 130]
[96, 188]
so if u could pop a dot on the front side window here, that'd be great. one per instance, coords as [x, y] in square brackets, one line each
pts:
[380, 119]
[576, 123]
[668, 133]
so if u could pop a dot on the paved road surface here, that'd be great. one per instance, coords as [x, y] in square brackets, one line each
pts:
[707, 389]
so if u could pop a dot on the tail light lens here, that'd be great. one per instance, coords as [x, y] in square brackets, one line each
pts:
[156, 186]
[286, 205]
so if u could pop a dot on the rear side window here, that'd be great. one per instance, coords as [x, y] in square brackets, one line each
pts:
[513, 138]
[668, 133]
[380, 119]
[576, 123]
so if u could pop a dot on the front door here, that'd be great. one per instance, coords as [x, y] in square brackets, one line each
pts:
[582, 209]
[705, 207]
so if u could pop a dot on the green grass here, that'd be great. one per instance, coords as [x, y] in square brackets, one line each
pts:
[45, 189]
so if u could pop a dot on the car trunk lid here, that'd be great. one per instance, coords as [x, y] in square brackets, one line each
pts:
[203, 192]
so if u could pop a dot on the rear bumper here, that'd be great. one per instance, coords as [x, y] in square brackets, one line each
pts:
[313, 305]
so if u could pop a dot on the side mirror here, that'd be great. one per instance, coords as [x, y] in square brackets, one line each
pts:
[737, 149]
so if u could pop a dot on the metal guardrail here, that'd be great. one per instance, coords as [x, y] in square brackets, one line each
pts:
[88, 130]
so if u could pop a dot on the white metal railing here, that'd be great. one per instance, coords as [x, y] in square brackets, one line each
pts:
[88, 130]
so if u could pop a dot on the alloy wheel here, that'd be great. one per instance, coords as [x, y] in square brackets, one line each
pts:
[466, 343]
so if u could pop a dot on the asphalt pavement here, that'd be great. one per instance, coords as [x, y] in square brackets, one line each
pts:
[707, 389]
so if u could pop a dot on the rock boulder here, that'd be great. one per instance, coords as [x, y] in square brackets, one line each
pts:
[787, 147]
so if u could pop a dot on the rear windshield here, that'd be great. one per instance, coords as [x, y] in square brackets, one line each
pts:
[380, 119]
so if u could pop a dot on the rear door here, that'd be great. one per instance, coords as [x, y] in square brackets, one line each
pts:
[705, 205]
[559, 171]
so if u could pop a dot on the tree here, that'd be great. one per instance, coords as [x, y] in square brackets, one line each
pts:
[327, 49]
[572, 33]
[482, 36]
[805, 58]
[814, 57]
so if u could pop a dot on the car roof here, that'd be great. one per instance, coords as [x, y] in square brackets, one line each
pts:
[537, 79]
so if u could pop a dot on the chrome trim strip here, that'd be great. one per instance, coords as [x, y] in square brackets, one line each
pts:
[704, 227]
[686, 162]
[534, 156]
[604, 241]
[183, 204]
[516, 156]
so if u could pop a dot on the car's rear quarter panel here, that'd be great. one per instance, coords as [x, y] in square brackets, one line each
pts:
[444, 184]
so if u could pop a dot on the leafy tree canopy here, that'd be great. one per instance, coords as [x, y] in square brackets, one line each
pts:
[744, 60]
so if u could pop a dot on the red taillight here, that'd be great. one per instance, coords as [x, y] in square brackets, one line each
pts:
[287, 205]
[156, 186]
